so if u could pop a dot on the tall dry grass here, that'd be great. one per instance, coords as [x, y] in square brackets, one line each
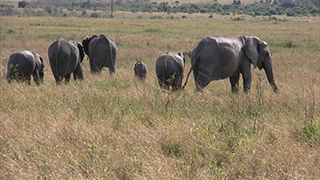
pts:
[118, 128]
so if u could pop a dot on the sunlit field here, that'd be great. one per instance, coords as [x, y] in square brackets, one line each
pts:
[116, 127]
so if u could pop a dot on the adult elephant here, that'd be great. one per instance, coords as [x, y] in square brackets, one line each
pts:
[217, 57]
[169, 69]
[102, 52]
[65, 58]
[22, 64]
[141, 70]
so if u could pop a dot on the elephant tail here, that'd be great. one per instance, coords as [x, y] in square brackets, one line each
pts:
[184, 85]
[165, 69]
[57, 58]
[193, 56]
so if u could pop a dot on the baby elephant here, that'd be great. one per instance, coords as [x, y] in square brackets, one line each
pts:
[65, 58]
[23, 64]
[140, 70]
[169, 69]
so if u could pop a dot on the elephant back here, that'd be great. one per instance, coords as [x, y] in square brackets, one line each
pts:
[169, 64]
[21, 64]
[102, 50]
[140, 69]
[63, 57]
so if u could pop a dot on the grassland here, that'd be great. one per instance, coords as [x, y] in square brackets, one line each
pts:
[119, 128]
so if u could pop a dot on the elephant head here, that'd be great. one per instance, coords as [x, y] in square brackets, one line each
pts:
[85, 42]
[257, 51]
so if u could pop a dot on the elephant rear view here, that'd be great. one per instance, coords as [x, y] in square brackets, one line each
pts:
[65, 58]
[102, 52]
[23, 64]
[141, 70]
[169, 69]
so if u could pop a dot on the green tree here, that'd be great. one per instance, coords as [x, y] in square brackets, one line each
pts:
[22, 4]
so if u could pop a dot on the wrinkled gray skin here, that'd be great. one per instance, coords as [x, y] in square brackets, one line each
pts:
[140, 70]
[23, 64]
[65, 58]
[217, 57]
[102, 52]
[169, 69]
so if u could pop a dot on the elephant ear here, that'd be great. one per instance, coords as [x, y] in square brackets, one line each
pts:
[80, 47]
[86, 40]
[251, 50]
[40, 64]
[181, 55]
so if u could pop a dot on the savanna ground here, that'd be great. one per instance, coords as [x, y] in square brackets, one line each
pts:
[119, 128]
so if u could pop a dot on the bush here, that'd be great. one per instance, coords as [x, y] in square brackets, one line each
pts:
[22, 4]
[94, 15]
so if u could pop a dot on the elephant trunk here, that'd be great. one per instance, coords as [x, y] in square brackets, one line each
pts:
[267, 66]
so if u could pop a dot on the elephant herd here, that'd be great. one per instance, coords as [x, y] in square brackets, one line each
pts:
[214, 57]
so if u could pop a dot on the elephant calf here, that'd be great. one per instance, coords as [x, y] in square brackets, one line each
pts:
[140, 70]
[65, 58]
[102, 52]
[169, 69]
[22, 64]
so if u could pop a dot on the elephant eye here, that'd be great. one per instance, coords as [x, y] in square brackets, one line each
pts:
[267, 54]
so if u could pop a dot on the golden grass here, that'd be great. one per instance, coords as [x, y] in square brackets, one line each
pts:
[119, 128]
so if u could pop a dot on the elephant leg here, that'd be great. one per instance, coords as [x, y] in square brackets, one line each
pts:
[36, 77]
[111, 70]
[94, 69]
[26, 79]
[202, 81]
[78, 73]
[58, 80]
[9, 79]
[246, 75]
[234, 81]
[176, 85]
[164, 86]
[67, 77]
[29, 81]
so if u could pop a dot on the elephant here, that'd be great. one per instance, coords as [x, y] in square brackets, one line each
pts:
[169, 70]
[217, 57]
[22, 64]
[141, 70]
[65, 58]
[102, 52]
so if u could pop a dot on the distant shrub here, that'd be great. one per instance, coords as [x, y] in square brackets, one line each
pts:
[289, 44]
[10, 31]
[291, 13]
[22, 4]
[155, 17]
[48, 9]
[238, 19]
[94, 15]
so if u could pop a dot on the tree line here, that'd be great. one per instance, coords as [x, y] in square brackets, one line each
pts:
[262, 8]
